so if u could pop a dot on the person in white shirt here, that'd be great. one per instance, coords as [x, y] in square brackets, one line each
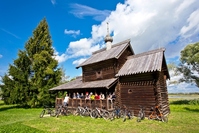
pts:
[102, 97]
[66, 100]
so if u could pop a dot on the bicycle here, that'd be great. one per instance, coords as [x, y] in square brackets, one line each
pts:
[156, 114]
[100, 113]
[127, 113]
[79, 111]
[48, 111]
[86, 111]
[62, 110]
[141, 114]
[116, 113]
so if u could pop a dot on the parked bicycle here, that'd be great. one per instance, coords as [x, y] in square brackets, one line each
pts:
[62, 110]
[79, 111]
[86, 111]
[156, 114]
[116, 113]
[48, 111]
[100, 113]
[141, 114]
[127, 113]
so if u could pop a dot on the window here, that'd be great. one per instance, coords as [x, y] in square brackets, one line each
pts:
[129, 91]
[99, 74]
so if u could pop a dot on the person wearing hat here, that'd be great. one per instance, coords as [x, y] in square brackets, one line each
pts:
[87, 97]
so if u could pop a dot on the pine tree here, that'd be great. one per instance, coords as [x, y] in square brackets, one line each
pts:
[45, 73]
[34, 72]
[16, 85]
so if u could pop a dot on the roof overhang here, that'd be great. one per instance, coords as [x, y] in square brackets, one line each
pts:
[78, 84]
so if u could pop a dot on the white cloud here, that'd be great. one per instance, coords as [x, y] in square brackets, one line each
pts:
[77, 62]
[1, 56]
[60, 58]
[149, 24]
[74, 33]
[83, 47]
[183, 87]
[192, 27]
[82, 10]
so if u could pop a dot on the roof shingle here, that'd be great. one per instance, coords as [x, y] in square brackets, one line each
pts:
[144, 62]
[103, 54]
[78, 84]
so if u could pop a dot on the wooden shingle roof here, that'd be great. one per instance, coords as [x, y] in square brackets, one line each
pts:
[141, 63]
[103, 54]
[78, 84]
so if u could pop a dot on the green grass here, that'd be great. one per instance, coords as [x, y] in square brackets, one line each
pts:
[184, 117]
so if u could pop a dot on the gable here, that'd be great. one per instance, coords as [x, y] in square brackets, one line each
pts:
[103, 54]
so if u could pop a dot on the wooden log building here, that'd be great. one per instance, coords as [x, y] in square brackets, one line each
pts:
[136, 79]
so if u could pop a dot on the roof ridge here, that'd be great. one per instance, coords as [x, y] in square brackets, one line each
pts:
[114, 45]
[146, 53]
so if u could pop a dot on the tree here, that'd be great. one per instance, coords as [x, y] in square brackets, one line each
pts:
[34, 72]
[189, 65]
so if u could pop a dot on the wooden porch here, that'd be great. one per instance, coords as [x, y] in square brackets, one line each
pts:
[74, 103]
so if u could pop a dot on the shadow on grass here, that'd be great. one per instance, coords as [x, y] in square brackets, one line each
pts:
[180, 102]
[7, 108]
[193, 110]
[187, 102]
[4, 107]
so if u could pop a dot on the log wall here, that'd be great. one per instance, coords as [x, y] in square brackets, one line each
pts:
[106, 69]
[162, 94]
[147, 90]
[137, 94]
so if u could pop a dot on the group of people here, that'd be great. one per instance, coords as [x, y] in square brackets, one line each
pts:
[89, 96]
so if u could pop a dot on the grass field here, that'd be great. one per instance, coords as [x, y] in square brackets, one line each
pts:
[184, 118]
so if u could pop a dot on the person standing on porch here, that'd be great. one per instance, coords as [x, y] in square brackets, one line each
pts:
[102, 97]
[78, 95]
[66, 100]
[74, 95]
[87, 97]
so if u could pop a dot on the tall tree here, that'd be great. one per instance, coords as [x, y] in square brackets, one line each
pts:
[16, 85]
[34, 72]
[189, 65]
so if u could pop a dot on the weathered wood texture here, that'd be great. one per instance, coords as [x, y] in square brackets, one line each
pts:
[147, 90]
[74, 103]
[137, 94]
[106, 69]
[162, 94]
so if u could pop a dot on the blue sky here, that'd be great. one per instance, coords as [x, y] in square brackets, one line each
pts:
[78, 28]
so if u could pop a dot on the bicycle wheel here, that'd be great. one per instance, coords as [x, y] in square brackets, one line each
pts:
[52, 113]
[142, 115]
[106, 115]
[139, 117]
[112, 115]
[124, 117]
[58, 112]
[86, 112]
[82, 111]
[165, 119]
[121, 114]
[94, 114]
[68, 112]
[130, 115]
[42, 113]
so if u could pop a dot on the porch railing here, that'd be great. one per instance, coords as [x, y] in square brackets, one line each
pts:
[73, 103]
